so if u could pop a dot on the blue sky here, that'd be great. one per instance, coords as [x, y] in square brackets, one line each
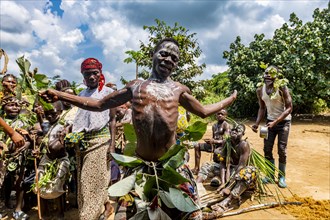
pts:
[56, 36]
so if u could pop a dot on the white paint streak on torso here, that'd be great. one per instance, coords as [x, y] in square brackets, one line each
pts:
[161, 91]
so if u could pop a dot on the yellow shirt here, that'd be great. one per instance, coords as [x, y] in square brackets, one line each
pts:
[182, 120]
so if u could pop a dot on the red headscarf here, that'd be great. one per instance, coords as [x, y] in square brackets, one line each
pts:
[92, 63]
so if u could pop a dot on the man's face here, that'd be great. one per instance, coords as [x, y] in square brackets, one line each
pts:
[120, 112]
[92, 77]
[166, 59]
[270, 75]
[237, 133]
[221, 115]
[12, 109]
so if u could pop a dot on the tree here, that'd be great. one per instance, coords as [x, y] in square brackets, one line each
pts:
[302, 53]
[189, 51]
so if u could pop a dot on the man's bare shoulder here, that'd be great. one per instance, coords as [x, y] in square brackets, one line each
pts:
[259, 89]
[182, 87]
[132, 84]
[244, 144]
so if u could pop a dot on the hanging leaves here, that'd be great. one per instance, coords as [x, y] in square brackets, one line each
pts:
[182, 201]
[122, 187]
[126, 161]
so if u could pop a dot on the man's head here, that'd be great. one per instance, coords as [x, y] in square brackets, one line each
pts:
[165, 58]
[221, 115]
[91, 69]
[11, 106]
[271, 73]
[53, 115]
[237, 132]
[62, 85]
[65, 86]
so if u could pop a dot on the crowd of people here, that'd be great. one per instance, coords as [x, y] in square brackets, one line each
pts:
[74, 143]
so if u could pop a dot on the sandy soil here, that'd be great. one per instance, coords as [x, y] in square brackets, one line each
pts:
[308, 173]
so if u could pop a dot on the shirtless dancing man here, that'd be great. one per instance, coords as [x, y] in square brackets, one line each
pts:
[155, 102]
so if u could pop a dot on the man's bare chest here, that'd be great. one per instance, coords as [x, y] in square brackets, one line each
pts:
[152, 93]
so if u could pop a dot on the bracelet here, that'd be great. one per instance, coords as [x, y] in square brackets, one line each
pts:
[85, 103]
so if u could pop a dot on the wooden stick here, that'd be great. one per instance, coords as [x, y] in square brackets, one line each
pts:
[211, 198]
[208, 194]
[260, 206]
[211, 202]
[36, 179]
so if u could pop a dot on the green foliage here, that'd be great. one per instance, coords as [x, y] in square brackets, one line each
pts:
[301, 51]
[218, 85]
[189, 51]
[130, 136]
[32, 82]
[182, 201]
[126, 160]
[122, 187]
[51, 170]
[195, 131]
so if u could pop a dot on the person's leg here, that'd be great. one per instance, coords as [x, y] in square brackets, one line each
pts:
[283, 136]
[222, 176]
[268, 153]
[7, 187]
[197, 159]
[205, 170]
[198, 149]
[269, 143]
[18, 213]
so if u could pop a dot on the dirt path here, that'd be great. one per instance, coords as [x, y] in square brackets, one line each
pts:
[308, 172]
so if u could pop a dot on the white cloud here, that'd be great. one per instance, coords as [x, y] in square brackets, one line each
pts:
[213, 69]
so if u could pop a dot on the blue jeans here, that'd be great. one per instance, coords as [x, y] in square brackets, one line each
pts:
[281, 130]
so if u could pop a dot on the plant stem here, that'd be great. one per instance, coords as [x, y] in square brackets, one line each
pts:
[154, 166]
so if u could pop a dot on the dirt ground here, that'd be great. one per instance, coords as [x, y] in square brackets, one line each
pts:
[308, 173]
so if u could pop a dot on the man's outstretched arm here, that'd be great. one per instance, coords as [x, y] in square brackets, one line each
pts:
[194, 106]
[110, 101]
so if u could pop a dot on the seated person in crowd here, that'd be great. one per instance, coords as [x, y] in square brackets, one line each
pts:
[219, 129]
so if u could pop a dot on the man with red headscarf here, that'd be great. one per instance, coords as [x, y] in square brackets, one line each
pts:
[92, 130]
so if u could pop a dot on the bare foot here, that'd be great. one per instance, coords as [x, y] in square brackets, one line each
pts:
[108, 209]
[195, 171]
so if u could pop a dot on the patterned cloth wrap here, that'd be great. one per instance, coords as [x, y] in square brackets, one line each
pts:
[248, 175]
[130, 204]
[81, 137]
[120, 141]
